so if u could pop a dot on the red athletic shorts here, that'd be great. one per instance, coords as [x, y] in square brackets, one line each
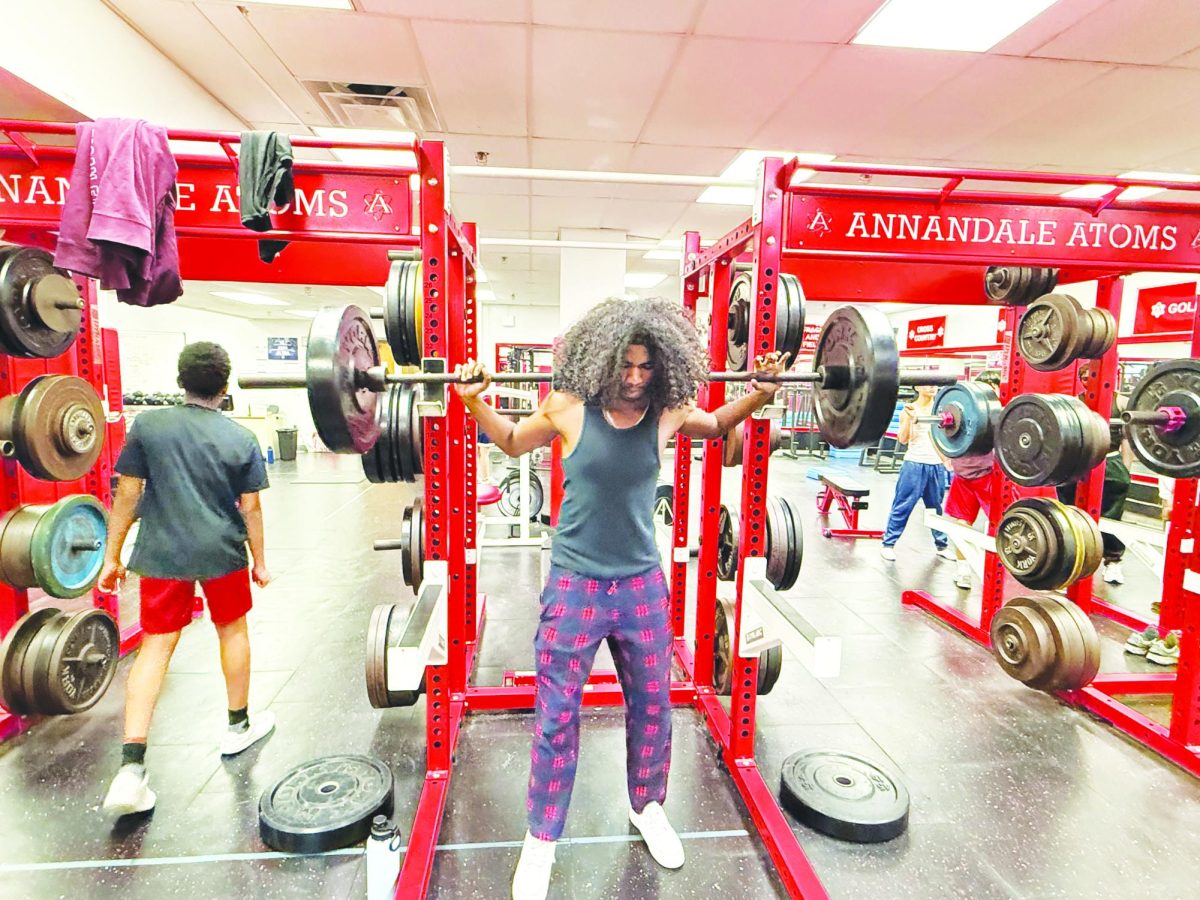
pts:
[167, 604]
[967, 496]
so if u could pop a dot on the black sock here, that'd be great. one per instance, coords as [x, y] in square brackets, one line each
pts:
[133, 752]
[239, 719]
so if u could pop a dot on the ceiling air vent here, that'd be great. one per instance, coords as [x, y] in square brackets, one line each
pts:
[382, 106]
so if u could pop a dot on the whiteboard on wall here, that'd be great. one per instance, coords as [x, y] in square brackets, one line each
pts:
[150, 360]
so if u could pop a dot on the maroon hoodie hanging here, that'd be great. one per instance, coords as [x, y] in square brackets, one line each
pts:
[118, 221]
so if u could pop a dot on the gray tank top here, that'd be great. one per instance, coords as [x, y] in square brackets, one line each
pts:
[605, 526]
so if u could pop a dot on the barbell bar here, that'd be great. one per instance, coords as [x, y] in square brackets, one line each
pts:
[1167, 419]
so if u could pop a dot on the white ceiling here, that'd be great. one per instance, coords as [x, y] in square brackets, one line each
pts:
[681, 86]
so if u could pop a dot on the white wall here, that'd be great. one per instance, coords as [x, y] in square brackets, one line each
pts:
[145, 332]
[501, 323]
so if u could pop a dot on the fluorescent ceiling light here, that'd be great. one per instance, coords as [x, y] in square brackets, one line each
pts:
[643, 279]
[970, 25]
[1095, 191]
[370, 136]
[247, 297]
[729, 196]
[321, 4]
[484, 294]
[745, 168]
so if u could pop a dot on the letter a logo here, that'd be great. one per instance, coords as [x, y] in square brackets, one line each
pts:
[377, 205]
[1196, 241]
[820, 223]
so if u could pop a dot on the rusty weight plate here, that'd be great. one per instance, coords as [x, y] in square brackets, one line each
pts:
[59, 427]
[1023, 641]
[860, 367]
[82, 662]
[1083, 669]
[1053, 332]
[1104, 333]
[728, 524]
[16, 644]
[40, 306]
[341, 346]
[1171, 383]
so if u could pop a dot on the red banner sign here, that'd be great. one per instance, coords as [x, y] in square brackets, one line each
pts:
[1000, 329]
[1171, 307]
[808, 343]
[929, 332]
[989, 233]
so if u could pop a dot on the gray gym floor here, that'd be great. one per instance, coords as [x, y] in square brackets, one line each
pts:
[1013, 793]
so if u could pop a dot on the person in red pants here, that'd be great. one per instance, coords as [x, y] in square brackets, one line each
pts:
[970, 492]
[193, 477]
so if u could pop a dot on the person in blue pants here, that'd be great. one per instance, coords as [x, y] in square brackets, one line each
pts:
[922, 476]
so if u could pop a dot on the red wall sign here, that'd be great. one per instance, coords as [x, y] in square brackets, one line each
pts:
[1000, 329]
[1167, 308]
[974, 231]
[929, 332]
[808, 343]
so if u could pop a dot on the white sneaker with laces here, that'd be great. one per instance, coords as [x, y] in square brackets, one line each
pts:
[234, 742]
[1113, 573]
[962, 576]
[531, 881]
[129, 792]
[947, 553]
[887, 553]
[661, 840]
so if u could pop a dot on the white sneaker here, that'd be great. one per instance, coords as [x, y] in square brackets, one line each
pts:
[234, 742]
[129, 792]
[887, 553]
[947, 553]
[661, 840]
[531, 881]
[1113, 573]
[962, 577]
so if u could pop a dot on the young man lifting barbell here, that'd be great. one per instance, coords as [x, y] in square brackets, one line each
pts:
[625, 382]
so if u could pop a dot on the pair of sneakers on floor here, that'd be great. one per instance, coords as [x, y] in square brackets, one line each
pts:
[1160, 649]
[531, 881]
[130, 791]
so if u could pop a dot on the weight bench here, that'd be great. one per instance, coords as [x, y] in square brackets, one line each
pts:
[850, 497]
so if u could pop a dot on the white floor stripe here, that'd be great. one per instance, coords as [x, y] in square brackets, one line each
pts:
[349, 851]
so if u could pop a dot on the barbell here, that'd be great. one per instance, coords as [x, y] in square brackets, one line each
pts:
[856, 378]
[1050, 439]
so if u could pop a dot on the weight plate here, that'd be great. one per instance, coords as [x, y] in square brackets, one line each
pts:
[777, 542]
[974, 409]
[1073, 562]
[1069, 644]
[82, 662]
[1038, 441]
[58, 427]
[793, 293]
[392, 306]
[40, 306]
[1045, 281]
[341, 345]
[416, 432]
[1009, 285]
[1023, 641]
[770, 662]
[416, 315]
[1065, 562]
[376, 667]
[12, 658]
[35, 669]
[1053, 332]
[67, 547]
[413, 559]
[738, 324]
[396, 434]
[844, 796]
[1090, 661]
[1097, 436]
[1104, 329]
[795, 544]
[1027, 545]
[857, 358]
[728, 523]
[325, 804]
[1093, 543]
[509, 503]
[374, 462]
[1170, 383]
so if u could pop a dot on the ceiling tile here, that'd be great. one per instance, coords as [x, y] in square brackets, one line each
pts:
[596, 85]
[663, 192]
[669, 16]
[642, 218]
[1130, 31]
[608, 156]
[1189, 60]
[1053, 21]
[679, 160]
[503, 150]
[461, 10]
[477, 75]
[710, 220]
[464, 184]
[508, 212]
[567, 212]
[797, 20]
[705, 101]
[335, 46]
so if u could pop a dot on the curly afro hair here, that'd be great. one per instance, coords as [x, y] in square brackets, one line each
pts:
[204, 369]
[588, 359]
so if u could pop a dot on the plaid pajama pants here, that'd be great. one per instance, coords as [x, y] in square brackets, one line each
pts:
[577, 614]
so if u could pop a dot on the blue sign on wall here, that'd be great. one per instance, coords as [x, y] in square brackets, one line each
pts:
[283, 348]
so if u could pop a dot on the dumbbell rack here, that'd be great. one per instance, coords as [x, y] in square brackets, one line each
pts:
[92, 357]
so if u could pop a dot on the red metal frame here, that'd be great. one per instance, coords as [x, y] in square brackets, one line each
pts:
[849, 509]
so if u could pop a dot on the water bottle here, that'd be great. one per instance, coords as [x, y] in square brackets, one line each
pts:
[270, 454]
[383, 859]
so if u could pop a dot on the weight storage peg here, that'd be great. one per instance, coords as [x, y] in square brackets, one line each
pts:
[964, 419]
[40, 306]
[855, 378]
[54, 427]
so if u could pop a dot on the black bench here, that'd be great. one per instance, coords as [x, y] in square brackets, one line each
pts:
[850, 496]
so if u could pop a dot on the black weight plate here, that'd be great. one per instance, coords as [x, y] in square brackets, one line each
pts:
[398, 442]
[376, 662]
[1009, 285]
[1068, 561]
[409, 351]
[83, 661]
[1022, 636]
[1029, 545]
[857, 357]
[12, 658]
[777, 545]
[509, 503]
[728, 522]
[373, 461]
[1169, 383]
[35, 669]
[975, 408]
[396, 624]
[795, 544]
[340, 344]
[1053, 332]
[416, 547]
[416, 433]
[1038, 441]
[844, 796]
[1089, 664]
[770, 662]
[792, 293]
[407, 533]
[1044, 281]
[29, 281]
[325, 804]
[738, 324]
[664, 501]
[392, 328]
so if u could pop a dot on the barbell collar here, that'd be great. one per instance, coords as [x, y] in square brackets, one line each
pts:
[1167, 418]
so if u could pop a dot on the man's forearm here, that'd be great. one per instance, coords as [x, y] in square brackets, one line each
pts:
[120, 520]
[735, 411]
[254, 535]
[494, 425]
